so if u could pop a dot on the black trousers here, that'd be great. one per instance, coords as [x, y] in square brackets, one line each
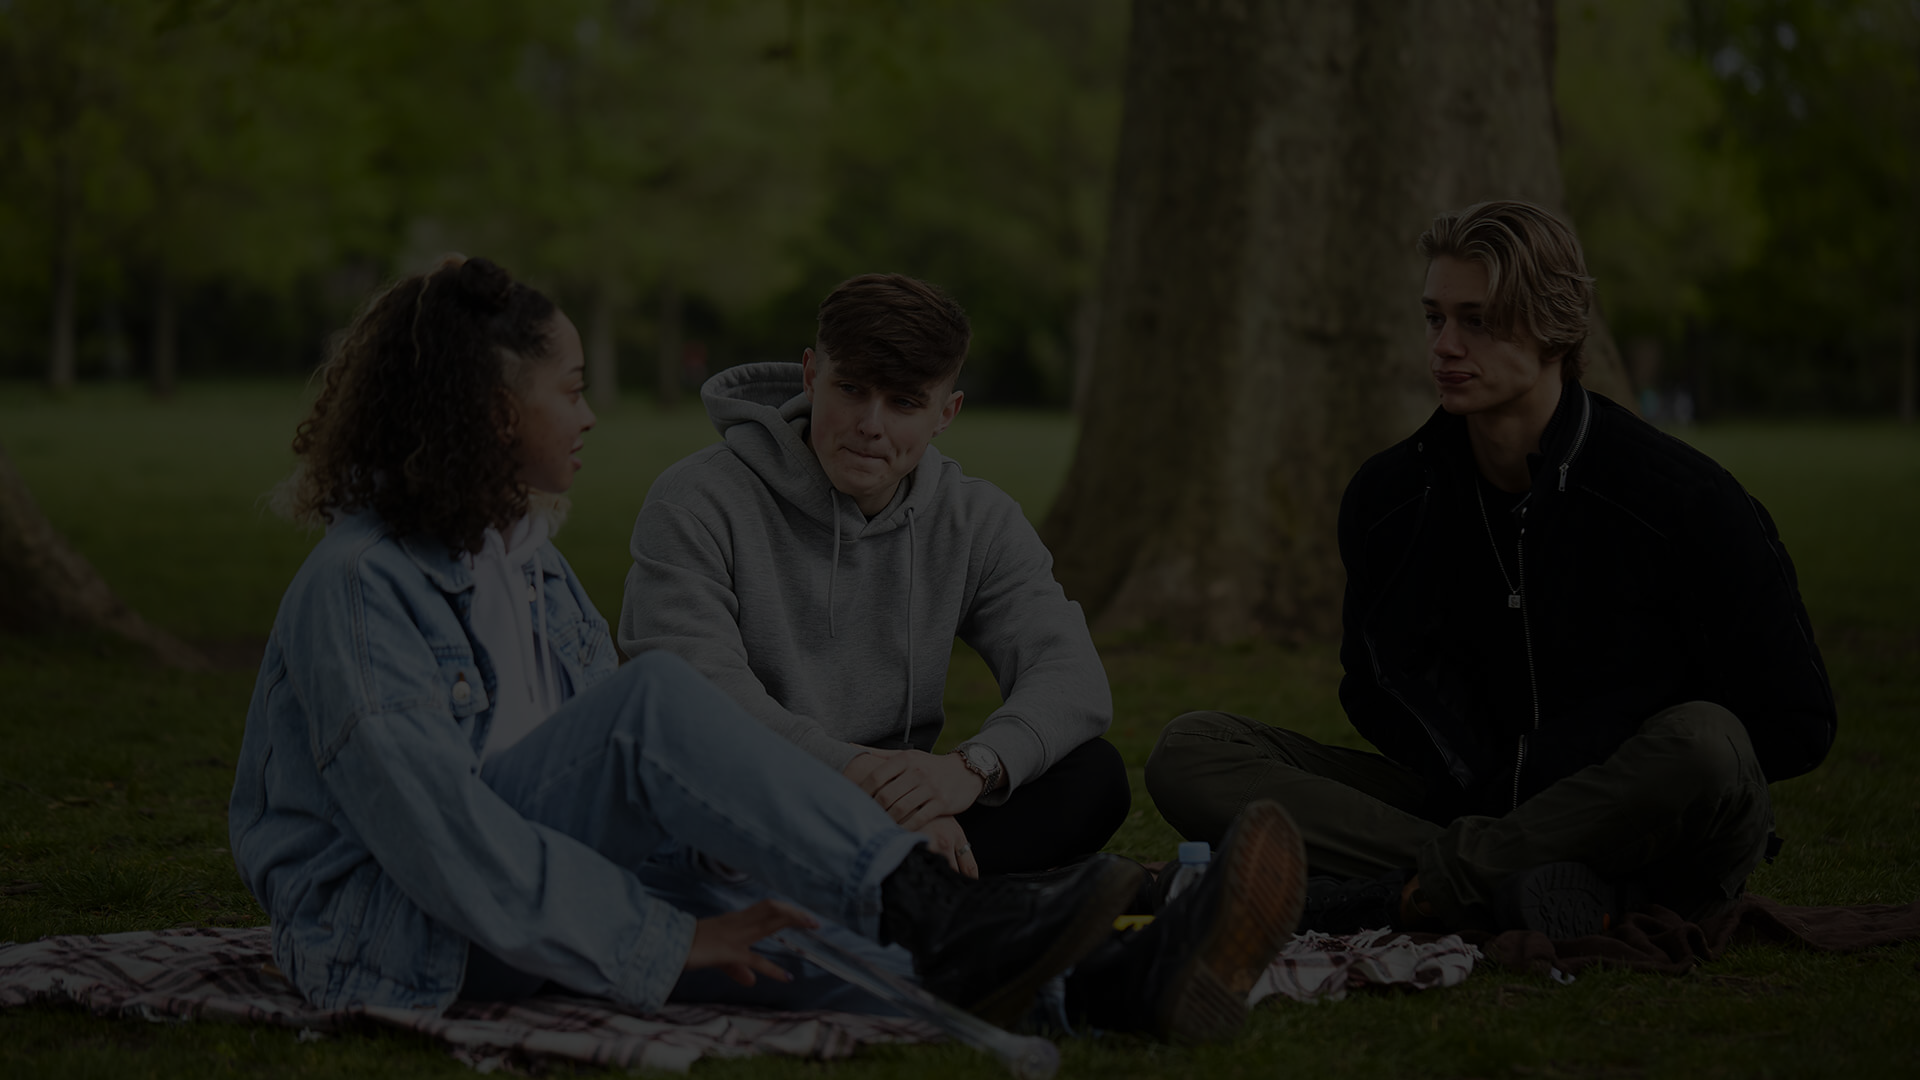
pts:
[1681, 807]
[1066, 813]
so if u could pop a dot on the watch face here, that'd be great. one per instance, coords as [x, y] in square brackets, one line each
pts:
[982, 761]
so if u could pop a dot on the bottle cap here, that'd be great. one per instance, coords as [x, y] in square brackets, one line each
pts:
[1195, 851]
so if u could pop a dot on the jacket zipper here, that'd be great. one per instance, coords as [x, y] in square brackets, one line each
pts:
[1526, 609]
[1579, 436]
[1526, 635]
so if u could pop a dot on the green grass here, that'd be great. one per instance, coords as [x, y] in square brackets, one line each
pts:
[114, 772]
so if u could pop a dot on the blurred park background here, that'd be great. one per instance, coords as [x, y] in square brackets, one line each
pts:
[192, 189]
[194, 194]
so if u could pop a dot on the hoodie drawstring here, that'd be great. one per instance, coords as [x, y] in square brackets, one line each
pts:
[833, 577]
[833, 574]
[910, 578]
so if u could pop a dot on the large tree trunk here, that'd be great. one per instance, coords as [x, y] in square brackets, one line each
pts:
[603, 354]
[46, 585]
[1259, 330]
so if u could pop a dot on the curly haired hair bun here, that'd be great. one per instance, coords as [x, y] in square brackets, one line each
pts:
[482, 284]
[415, 412]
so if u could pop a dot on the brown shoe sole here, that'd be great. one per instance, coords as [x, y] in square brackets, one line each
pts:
[1119, 880]
[1261, 898]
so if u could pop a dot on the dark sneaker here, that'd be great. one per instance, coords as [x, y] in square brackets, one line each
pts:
[989, 945]
[1335, 906]
[1186, 975]
[1562, 900]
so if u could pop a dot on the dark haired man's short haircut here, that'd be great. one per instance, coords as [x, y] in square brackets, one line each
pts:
[893, 331]
[1537, 280]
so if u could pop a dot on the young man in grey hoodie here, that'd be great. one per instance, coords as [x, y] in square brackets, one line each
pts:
[818, 562]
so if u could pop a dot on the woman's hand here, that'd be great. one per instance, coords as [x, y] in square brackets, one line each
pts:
[945, 837]
[726, 941]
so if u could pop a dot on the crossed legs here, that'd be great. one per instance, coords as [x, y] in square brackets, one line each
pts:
[1681, 807]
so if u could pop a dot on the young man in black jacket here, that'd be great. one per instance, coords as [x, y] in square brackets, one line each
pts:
[1576, 641]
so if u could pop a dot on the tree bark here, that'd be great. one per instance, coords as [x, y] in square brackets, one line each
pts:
[1258, 331]
[49, 586]
[603, 355]
[166, 338]
[672, 345]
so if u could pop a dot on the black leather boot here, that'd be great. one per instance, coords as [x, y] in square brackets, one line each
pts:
[1186, 975]
[988, 945]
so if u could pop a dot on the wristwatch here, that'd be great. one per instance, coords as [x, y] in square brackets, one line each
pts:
[982, 762]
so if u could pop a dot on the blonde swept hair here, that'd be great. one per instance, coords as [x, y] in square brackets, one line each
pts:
[1537, 280]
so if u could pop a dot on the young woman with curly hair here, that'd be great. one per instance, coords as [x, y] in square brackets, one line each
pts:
[447, 789]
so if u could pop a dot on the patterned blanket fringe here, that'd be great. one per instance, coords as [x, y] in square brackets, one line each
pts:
[178, 975]
[228, 974]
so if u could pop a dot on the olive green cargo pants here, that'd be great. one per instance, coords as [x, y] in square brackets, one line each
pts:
[1681, 808]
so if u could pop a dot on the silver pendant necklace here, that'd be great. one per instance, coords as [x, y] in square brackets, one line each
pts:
[1513, 593]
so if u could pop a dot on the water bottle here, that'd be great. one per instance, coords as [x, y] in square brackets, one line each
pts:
[1194, 857]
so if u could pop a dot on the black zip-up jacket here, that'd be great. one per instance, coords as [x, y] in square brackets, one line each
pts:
[1650, 578]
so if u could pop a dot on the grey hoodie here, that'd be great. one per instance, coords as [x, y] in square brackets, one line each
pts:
[835, 630]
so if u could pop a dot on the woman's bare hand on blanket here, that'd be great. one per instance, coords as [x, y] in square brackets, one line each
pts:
[915, 787]
[947, 839]
[726, 941]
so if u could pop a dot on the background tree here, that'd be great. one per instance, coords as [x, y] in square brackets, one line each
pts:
[63, 73]
[246, 155]
[49, 586]
[1824, 95]
[1664, 197]
[1742, 171]
[1259, 331]
[972, 145]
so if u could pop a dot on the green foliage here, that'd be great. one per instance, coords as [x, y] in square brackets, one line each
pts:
[272, 161]
[1825, 94]
[1743, 172]
[1662, 198]
[971, 144]
[114, 782]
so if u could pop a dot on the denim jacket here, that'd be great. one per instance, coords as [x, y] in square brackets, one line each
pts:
[359, 819]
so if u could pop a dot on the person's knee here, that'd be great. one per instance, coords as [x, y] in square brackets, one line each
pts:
[1707, 749]
[1185, 738]
[659, 664]
[1178, 773]
[1092, 778]
[664, 678]
[1110, 796]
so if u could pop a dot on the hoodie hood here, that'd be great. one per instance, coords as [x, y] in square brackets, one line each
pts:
[762, 412]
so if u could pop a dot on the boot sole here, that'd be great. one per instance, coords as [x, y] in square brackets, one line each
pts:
[1119, 881]
[1261, 898]
[1564, 900]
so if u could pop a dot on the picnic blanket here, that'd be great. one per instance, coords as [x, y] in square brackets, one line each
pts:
[1656, 939]
[228, 974]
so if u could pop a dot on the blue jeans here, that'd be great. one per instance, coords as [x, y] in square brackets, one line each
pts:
[656, 765]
